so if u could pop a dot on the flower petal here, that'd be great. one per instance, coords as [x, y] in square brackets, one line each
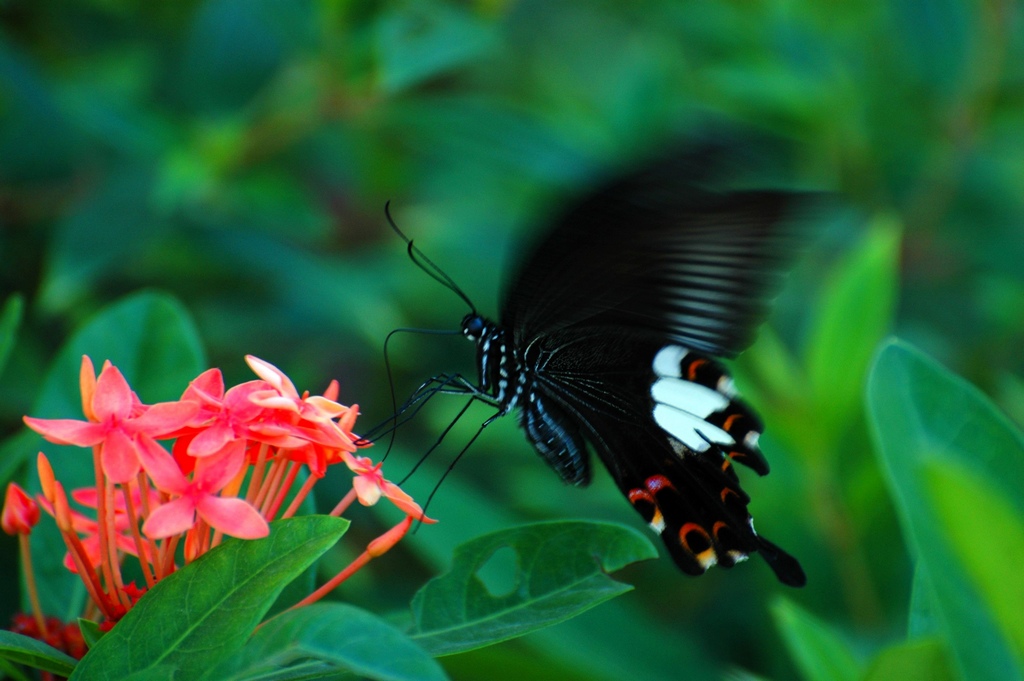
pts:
[366, 489]
[234, 517]
[161, 467]
[272, 375]
[67, 431]
[120, 457]
[326, 406]
[113, 396]
[271, 399]
[212, 473]
[87, 386]
[164, 417]
[211, 440]
[333, 388]
[207, 387]
[172, 518]
[403, 501]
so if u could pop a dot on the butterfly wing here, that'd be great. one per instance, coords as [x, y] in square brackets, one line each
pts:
[668, 427]
[655, 251]
[608, 309]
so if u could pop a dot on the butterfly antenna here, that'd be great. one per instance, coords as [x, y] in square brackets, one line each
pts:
[426, 264]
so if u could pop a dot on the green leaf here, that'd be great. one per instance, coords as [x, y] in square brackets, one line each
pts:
[820, 653]
[91, 631]
[29, 651]
[339, 635]
[987, 534]
[512, 582]
[922, 414]
[199, 615]
[162, 672]
[922, 659]
[923, 618]
[852, 315]
[152, 340]
[417, 44]
[10, 319]
[13, 671]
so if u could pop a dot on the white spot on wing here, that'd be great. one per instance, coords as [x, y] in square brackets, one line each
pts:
[691, 397]
[684, 426]
[668, 361]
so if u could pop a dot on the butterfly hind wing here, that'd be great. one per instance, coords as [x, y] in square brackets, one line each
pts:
[674, 466]
[697, 508]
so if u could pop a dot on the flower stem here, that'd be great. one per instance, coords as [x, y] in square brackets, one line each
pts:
[30, 582]
[300, 496]
[345, 502]
[133, 523]
[258, 471]
[282, 491]
[332, 583]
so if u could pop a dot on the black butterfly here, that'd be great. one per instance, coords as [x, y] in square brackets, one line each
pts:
[606, 338]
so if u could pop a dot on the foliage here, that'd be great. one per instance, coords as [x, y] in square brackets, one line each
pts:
[235, 156]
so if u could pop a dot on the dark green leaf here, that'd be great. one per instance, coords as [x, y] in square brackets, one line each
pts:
[29, 651]
[820, 653]
[10, 319]
[921, 659]
[419, 45]
[108, 227]
[922, 414]
[511, 582]
[339, 635]
[12, 670]
[196, 617]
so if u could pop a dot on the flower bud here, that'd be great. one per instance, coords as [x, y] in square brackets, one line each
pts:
[20, 513]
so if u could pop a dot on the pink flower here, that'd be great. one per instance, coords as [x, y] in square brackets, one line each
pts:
[116, 422]
[370, 485]
[316, 411]
[198, 496]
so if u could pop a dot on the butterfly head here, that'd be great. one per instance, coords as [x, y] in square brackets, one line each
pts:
[475, 327]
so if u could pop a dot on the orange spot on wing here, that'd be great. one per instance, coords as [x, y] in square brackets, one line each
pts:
[691, 370]
[731, 419]
[636, 495]
[656, 483]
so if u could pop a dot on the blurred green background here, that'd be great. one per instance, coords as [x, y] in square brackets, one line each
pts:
[237, 154]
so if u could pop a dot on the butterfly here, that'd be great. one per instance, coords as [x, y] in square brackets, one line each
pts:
[608, 342]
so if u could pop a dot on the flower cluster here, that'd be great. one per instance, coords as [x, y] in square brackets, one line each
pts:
[234, 465]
